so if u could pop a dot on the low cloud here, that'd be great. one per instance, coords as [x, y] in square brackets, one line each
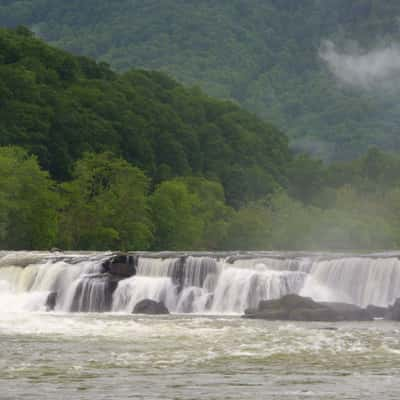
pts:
[377, 67]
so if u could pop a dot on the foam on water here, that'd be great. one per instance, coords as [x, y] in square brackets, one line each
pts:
[48, 355]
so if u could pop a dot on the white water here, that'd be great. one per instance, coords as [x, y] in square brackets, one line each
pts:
[194, 284]
[357, 280]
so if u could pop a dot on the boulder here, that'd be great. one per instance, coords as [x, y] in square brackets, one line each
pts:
[51, 301]
[376, 312]
[297, 308]
[393, 311]
[349, 312]
[121, 265]
[148, 306]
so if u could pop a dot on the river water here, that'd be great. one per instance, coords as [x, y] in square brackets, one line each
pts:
[204, 349]
[108, 356]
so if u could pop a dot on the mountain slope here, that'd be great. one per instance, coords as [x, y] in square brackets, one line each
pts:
[265, 54]
[59, 106]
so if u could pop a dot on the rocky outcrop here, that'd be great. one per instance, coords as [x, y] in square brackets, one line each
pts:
[393, 311]
[121, 265]
[376, 312]
[51, 301]
[148, 306]
[296, 308]
[349, 312]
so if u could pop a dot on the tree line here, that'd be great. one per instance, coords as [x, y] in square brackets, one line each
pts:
[111, 204]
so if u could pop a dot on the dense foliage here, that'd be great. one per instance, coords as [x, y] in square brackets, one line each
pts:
[262, 53]
[108, 205]
[91, 159]
[29, 203]
[58, 106]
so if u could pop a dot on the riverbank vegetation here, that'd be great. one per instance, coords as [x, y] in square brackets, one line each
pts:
[91, 159]
[111, 204]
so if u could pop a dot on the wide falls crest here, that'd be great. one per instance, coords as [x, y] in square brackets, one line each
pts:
[215, 283]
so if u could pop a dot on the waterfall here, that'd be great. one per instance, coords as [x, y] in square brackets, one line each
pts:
[204, 284]
[358, 280]
[190, 283]
[132, 290]
[38, 275]
[238, 289]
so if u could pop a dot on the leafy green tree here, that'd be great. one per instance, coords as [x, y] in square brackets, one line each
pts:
[250, 228]
[28, 202]
[292, 223]
[305, 178]
[212, 209]
[175, 211]
[106, 206]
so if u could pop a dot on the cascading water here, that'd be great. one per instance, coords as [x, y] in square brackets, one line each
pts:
[33, 277]
[211, 283]
[357, 280]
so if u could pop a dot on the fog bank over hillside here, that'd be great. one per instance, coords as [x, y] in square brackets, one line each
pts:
[367, 70]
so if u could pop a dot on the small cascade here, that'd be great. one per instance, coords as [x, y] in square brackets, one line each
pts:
[357, 280]
[275, 264]
[90, 293]
[158, 266]
[69, 277]
[131, 291]
[204, 284]
[198, 269]
[238, 288]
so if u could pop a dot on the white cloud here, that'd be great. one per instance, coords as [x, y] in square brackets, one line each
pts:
[379, 66]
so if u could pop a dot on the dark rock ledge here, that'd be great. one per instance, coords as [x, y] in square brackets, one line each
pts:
[148, 306]
[296, 308]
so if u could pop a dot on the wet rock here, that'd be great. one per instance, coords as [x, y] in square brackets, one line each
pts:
[121, 265]
[393, 311]
[148, 306]
[297, 308]
[349, 312]
[51, 301]
[376, 312]
[177, 272]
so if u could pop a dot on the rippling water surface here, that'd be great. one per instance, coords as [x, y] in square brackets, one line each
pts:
[97, 356]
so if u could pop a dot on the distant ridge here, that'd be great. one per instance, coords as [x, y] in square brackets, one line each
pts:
[264, 54]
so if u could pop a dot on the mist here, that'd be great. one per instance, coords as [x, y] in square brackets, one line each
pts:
[367, 70]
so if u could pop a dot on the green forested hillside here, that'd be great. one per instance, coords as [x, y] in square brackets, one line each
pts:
[58, 107]
[92, 159]
[265, 54]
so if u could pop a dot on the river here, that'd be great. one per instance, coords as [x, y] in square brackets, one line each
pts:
[209, 353]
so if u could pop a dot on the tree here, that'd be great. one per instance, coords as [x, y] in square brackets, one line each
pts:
[28, 202]
[106, 206]
[212, 209]
[178, 225]
[250, 228]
